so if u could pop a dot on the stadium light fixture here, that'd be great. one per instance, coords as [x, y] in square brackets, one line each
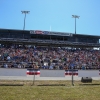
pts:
[75, 16]
[25, 12]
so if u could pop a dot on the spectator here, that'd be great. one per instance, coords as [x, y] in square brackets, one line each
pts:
[51, 58]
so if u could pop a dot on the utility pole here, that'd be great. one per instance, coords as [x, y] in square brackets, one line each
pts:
[25, 12]
[72, 78]
[75, 16]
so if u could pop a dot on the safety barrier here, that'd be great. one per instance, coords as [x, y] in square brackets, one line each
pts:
[67, 72]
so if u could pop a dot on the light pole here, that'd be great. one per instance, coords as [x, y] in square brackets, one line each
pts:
[75, 16]
[24, 12]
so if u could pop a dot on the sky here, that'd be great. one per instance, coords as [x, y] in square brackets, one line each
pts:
[54, 15]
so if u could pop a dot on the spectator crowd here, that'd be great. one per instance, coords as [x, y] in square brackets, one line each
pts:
[15, 56]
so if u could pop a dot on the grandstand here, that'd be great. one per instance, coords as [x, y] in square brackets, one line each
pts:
[48, 38]
[48, 50]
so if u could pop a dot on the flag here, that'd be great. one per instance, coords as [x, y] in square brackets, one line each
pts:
[33, 72]
[69, 72]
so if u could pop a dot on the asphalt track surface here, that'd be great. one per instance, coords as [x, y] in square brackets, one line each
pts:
[20, 74]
